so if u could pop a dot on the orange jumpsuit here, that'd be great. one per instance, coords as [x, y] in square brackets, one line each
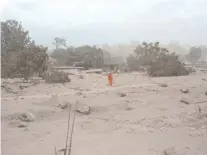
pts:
[110, 79]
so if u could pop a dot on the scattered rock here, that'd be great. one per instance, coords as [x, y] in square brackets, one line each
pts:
[15, 123]
[128, 107]
[206, 93]
[184, 100]
[83, 108]
[81, 77]
[163, 85]
[122, 94]
[22, 125]
[64, 105]
[79, 93]
[170, 151]
[186, 91]
[21, 87]
[27, 117]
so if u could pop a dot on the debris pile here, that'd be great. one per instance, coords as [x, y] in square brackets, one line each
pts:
[56, 77]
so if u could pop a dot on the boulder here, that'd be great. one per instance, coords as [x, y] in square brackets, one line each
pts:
[64, 105]
[83, 108]
[163, 85]
[27, 117]
[184, 90]
[122, 94]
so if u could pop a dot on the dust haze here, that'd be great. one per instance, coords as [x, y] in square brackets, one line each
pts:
[104, 77]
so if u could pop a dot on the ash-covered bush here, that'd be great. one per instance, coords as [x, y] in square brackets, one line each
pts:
[144, 54]
[158, 60]
[167, 65]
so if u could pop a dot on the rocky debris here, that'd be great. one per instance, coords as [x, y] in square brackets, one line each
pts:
[169, 151]
[64, 105]
[173, 151]
[27, 117]
[21, 87]
[77, 88]
[122, 94]
[81, 76]
[206, 93]
[83, 108]
[163, 85]
[186, 91]
[128, 107]
[22, 125]
[184, 100]
[79, 93]
[58, 102]
[17, 123]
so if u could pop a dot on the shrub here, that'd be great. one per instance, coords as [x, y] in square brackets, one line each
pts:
[167, 65]
[144, 54]
[157, 59]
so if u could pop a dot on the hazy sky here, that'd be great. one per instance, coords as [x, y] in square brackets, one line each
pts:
[110, 21]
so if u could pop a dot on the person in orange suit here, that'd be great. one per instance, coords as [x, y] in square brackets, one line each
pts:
[110, 79]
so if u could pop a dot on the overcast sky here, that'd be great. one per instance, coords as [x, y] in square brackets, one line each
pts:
[110, 21]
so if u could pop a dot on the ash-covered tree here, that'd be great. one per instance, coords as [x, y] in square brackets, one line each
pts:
[149, 49]
[194, 54]
[159, 61]
[59, 42]
[144, 54]
[92, 57]
[14, 37]
[20, 56]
